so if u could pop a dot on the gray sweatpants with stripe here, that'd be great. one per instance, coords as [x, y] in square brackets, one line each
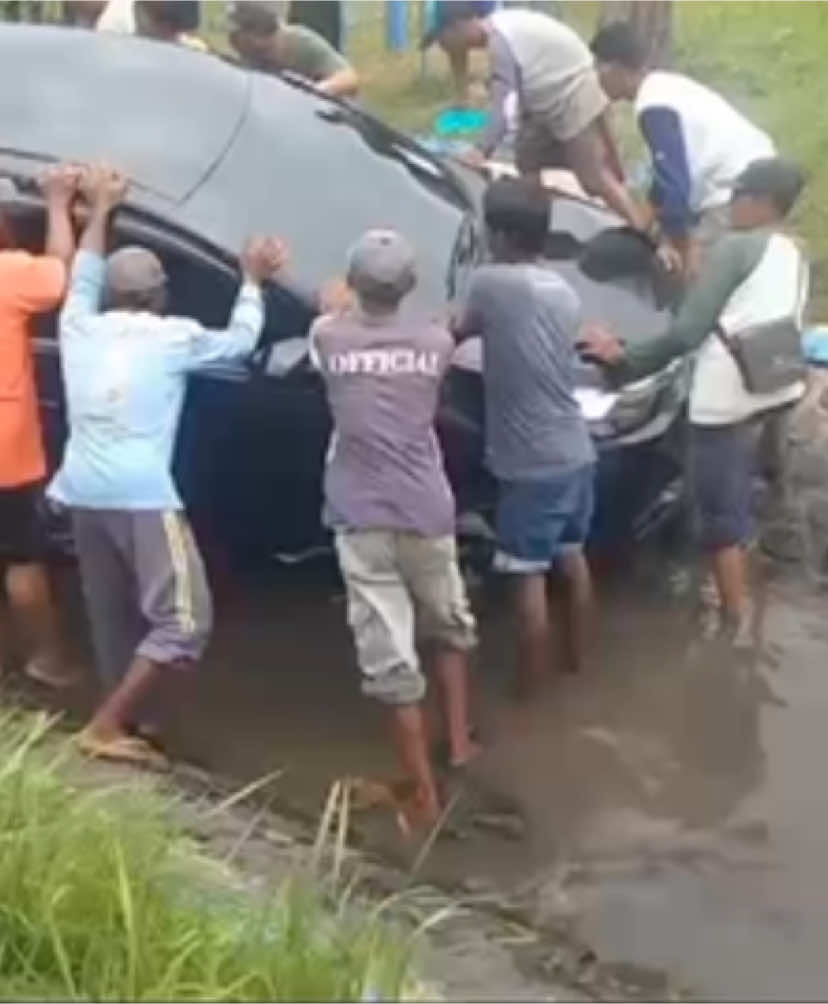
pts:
[145, 588]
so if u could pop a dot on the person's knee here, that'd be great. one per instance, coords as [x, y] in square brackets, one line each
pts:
[446, 619]
[397, 686]
[592, 178]
[531, 603]
[574, 568]
[27, 584]
[178, 638]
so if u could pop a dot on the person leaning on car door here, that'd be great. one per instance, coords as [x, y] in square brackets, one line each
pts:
[537, 442]
[125, 369]
[29, 285]
[754, 275]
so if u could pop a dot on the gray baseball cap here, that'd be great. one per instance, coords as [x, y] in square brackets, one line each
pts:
[134, 269]
[774, 178]
[382, 265]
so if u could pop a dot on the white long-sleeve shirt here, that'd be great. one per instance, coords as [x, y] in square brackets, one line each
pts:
[699, 145]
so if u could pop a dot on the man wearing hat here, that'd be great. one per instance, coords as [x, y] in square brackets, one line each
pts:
[264, 42]
[29, 285]
[125, 368]
[388, 501]
[754, 275]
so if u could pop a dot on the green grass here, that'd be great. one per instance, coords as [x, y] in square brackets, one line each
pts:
[102, 897]
[768, 58]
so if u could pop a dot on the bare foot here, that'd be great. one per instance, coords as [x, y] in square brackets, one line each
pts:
[417, 813]
[411, 811]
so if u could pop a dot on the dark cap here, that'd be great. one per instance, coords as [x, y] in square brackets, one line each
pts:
[773, 178]
[449, 12]
[260, 17]
[381, 265]
[619, 42]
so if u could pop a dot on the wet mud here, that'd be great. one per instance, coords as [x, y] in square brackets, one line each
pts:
[665, 807]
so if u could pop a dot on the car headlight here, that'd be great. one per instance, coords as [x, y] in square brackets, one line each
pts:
[633, 405]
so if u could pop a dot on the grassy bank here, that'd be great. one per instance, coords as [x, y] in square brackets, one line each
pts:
[767, 57]
[103, 897]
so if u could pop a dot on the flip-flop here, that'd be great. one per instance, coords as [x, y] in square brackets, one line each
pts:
[124, 749]
[34, 671]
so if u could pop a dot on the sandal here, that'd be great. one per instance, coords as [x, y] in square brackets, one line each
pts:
[123, 749]
[36, 671]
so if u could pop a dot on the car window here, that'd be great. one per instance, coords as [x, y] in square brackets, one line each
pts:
[207, 290]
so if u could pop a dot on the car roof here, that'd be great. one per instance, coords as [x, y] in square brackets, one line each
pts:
[220, 151]
[72, 94]
[320, 173]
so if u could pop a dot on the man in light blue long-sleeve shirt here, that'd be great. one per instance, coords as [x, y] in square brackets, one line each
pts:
[125, 375]
[125, 370]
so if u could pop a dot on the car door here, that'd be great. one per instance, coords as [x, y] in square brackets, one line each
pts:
[250, 459]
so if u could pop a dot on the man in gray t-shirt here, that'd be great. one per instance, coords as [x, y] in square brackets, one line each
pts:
[389, 503]
[528, 317]
[537, 442]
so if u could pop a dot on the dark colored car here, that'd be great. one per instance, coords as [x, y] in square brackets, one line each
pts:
[215, 152]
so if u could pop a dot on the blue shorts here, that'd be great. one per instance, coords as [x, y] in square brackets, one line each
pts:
[538, 521]
[723, 465]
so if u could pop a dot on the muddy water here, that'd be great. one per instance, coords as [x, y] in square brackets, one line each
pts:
[673, 796]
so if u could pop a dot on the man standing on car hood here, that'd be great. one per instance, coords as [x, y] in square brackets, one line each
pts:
[30, 285]
[125, 371]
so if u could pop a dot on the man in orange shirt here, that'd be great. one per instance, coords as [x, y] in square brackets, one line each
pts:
[30, 285]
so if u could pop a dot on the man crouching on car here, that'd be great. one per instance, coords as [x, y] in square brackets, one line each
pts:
[125, 371]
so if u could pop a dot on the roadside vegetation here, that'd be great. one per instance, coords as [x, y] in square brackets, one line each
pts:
[104, 897]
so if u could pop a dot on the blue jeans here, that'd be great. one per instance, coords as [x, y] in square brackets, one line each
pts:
[537, 521]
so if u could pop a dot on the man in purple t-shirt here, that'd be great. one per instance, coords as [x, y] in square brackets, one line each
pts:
[389, 503]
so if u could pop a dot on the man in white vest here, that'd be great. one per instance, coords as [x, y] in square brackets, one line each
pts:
[754, 274]
[698, 142]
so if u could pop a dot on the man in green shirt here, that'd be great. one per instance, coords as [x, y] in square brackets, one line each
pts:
[264, 42]
[754, 274]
